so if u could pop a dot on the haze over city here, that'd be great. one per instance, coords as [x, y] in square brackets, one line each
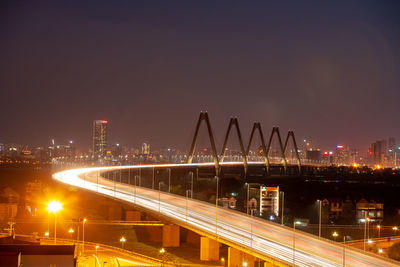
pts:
[328, 71]
[199, 133]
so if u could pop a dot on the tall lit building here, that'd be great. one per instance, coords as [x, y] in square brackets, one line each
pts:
[378, 152]
[99, 138]
[145, 148]
[342, 155]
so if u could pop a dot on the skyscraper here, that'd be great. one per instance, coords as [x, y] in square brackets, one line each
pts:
[378, 152]
[145, 148]
[99, 138]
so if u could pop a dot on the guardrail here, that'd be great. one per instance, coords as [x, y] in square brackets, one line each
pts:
[126, 252]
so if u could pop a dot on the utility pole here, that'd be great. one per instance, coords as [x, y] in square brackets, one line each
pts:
[169, 180]
[320, 217]
[251, 228]
[247, 198]
[283, 206]
[344, 250]
[191, 187]
[216, 208]
[152, 184]
[365, 228]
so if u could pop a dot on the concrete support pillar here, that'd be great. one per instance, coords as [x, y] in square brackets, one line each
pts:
[171, 236]
[236, 258]
[209, 249]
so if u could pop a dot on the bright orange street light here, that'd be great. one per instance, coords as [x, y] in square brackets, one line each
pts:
[71, 231]
[122, 240]
[395, 228]
[379, 230]
[54, 207]
[335, 234]
[83, 235]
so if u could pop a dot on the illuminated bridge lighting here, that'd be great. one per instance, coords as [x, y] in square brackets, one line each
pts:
[268, 241]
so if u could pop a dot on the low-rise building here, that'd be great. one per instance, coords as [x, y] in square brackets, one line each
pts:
[9, 200]
[369, 209]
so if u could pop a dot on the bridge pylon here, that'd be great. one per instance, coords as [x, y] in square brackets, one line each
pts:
[275, 130]
[204, 117]
[257, 126]
[291, 134]
[234, 122]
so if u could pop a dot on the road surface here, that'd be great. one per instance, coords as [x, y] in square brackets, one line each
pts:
[256, 236]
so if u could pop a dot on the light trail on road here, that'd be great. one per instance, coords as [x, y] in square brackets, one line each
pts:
[266, 240]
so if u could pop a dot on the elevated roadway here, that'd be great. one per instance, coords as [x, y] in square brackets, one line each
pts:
[263, 239]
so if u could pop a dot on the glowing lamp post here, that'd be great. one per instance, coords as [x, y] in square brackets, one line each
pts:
[71, 231]
[379, 230]
[83, 235]
[395, 228]
[335, 234]
[162, 253]
[294, 240]
[54, 207]
[320, 216]
[122, 240]
[247, 197]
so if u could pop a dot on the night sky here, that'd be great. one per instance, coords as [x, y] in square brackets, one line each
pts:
[328, 71]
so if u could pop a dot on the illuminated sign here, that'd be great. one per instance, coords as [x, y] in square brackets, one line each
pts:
[340, 146]
[269, 200]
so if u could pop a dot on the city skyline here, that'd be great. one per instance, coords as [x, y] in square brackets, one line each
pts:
[312, 144]
[208, 133]
[383, 153]
[138, 66]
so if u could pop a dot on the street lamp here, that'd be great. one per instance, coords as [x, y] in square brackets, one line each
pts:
[71, 231]
[395, 228]
[216, 207]
[320, 216]
[379, 230]
[294, 239]
[122, 240]
[365, 230]
[283, 206]
[97, 247]
[251, 228]
[46, 234]
[169, 180]
[159, 197]
[344, 250]
[191, 185]
[244, 264]
[162, 252]
[83, 235]
[152, 183]
[134, 194]
[187, 191]
[54, 207]
[247, 198]
[335, 234]
[115, 183]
